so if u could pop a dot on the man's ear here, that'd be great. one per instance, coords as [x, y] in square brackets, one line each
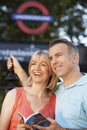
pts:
[75, 58]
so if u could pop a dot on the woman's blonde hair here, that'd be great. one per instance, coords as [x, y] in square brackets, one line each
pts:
[43, 54]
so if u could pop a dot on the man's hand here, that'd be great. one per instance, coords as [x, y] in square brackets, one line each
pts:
[53, 126]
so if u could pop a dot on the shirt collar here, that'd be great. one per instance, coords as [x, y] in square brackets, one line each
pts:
[80, 82]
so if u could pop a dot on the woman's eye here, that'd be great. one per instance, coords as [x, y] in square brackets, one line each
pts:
[43, 64]
[32, 63]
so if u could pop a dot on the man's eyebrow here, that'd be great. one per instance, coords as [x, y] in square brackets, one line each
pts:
[50, 57]
[57, 53]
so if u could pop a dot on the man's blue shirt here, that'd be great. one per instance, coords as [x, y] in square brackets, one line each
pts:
[71, 104]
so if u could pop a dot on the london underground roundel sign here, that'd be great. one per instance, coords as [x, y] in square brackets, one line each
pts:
[44, 18]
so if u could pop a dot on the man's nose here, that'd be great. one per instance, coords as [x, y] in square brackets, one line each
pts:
[54, 61]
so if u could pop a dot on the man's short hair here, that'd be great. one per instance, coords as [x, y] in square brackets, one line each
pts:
[71, 46]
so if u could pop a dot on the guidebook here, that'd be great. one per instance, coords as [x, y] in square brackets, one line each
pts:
[36, 118]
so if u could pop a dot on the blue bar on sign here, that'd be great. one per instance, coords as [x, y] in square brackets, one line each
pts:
[30, 17]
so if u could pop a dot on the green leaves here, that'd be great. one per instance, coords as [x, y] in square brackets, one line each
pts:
[68, 15]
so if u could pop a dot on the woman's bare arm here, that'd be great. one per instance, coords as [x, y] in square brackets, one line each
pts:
[19, 71]
[6, 110]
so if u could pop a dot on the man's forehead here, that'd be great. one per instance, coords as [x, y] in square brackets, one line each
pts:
[58, 50]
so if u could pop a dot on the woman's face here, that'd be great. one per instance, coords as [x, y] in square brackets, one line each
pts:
[39, 70]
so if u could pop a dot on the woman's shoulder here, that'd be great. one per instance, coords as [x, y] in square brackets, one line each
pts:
[13, 92]
[10, 97]
[19, 91]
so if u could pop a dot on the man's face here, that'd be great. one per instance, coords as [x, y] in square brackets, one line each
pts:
[62, 62]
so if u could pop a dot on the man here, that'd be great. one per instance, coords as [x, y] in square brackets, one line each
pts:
[71, 95]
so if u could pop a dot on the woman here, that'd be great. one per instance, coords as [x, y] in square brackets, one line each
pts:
[35, 96]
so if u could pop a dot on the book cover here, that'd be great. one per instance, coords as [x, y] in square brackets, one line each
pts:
[36, 118]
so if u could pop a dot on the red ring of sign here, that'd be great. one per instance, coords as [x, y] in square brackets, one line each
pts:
[28, 30]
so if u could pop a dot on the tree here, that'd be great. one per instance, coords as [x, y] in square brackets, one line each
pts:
[69, 20]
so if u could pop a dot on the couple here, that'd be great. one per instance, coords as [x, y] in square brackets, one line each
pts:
[69, 107]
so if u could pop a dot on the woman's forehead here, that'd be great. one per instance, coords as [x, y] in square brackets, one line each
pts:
[39, 60]
[40, 57]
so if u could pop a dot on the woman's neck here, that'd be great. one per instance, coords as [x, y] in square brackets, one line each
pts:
[38, 90]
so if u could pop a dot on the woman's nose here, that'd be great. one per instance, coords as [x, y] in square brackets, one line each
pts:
[37, 66]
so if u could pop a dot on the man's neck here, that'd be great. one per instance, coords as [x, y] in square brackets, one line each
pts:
[70, 79]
